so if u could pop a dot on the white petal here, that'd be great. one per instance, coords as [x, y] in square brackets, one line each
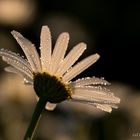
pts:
[29, 50]
[16, 61]
[90, 81]
[59, 51]
[99, 89]
[27, 79]
[17, 65]
[105, 107]
[50, 106]
[45, 47]
[71, 58]
[94, 96]
[80, 67]
[15, 57]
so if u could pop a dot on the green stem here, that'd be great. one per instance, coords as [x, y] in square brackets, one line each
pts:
[35, 119]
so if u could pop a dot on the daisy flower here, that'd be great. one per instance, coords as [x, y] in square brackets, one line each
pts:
[51, 73]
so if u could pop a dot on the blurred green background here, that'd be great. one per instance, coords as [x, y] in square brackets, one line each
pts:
[110, 28]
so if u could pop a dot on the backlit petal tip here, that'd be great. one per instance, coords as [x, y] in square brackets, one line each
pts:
[16, 34]
[50, 106]
[97, 56]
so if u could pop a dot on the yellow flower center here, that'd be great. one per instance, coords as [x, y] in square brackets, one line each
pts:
[51, 88]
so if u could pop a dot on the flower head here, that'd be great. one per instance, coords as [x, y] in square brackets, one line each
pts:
[52, 72]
